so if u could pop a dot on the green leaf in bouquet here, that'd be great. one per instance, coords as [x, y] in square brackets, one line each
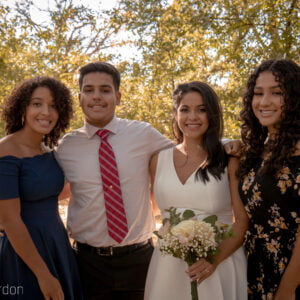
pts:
[211, 219]
[174, 217]
[188, 214]
[229, 233]
[170, 210]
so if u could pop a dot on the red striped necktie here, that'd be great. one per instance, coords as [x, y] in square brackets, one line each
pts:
[115, 212]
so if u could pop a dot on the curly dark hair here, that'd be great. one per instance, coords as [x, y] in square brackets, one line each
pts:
[217, 158]
[18, 100]
[254, 135]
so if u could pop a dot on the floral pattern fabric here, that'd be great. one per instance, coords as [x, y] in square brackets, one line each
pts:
[273, 207]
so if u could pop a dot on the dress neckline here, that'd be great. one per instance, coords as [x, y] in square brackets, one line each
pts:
[175, 171]
[26, 157]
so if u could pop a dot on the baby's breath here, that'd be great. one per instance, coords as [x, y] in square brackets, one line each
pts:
[191, 239]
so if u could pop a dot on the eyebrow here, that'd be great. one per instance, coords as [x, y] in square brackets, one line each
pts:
[40, 98]
[200, 105]
[102, 85]
[197, 105]
[272, 87]
[36, 98]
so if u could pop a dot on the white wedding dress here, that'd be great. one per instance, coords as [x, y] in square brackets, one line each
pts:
[167, 278]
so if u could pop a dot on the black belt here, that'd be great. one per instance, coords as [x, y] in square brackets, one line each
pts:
[110, 251]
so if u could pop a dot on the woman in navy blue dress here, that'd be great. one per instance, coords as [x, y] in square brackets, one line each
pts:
[36, 260]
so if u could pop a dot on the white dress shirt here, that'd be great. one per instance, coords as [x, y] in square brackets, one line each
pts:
[133, 143]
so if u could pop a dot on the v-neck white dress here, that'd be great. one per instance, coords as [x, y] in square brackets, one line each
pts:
[167, 278]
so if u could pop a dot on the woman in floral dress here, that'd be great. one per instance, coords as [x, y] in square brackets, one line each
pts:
[270, 179]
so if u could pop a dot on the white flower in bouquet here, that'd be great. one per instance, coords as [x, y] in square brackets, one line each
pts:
[195, 233]
[190, 239]
[184, 231]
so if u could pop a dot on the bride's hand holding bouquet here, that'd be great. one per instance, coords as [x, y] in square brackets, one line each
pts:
[194, 241]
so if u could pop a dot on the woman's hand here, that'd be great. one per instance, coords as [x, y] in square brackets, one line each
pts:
[233, 147]
[285, 292]
[282, 295]
[21, 241]
[200, 270]
[50, 288]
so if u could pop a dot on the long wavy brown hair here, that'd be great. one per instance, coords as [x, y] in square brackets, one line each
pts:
[217, 157]
[16, 103]
[254, 135]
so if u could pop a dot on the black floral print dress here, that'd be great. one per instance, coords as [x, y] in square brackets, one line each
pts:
[273, 207]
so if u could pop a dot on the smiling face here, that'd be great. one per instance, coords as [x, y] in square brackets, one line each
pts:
[98, 98]
[267, 101]
[191, 116]
[41, 114]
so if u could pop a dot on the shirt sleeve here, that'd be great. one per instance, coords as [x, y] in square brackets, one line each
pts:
[225, 141]
[9, 178]
[156, 141]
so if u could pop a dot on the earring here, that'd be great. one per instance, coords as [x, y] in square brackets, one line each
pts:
[22, 121]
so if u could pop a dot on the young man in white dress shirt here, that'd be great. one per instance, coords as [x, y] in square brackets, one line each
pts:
[109, 270]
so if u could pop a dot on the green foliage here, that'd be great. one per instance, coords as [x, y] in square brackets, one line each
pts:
[188, 214]
[67, 37]
[174, 217]
[219, 42]
[211, 219]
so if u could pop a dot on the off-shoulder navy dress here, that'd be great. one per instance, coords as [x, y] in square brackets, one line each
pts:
[37, 181]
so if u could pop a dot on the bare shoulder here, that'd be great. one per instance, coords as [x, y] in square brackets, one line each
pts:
[8, 146]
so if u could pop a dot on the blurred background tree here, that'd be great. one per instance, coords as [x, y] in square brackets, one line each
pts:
[219, 42]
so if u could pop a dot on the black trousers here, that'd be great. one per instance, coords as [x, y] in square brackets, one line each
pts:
[120, 276]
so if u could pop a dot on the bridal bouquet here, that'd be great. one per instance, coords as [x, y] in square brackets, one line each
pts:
[189, 239]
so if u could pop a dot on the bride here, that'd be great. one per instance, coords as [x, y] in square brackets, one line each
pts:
[197, 174]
